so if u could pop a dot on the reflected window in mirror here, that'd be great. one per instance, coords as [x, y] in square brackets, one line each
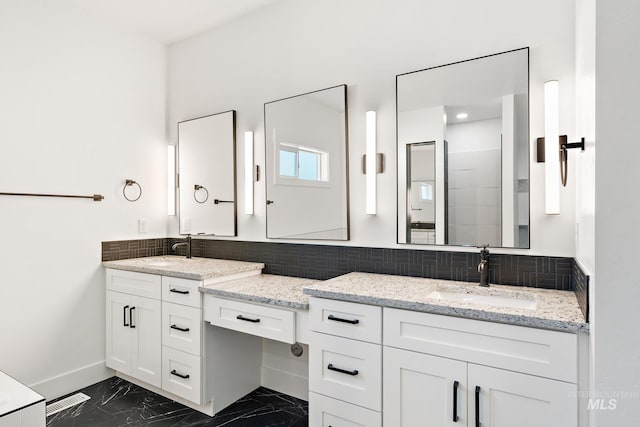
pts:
[302, 163]
[306, 166]
[475, 113]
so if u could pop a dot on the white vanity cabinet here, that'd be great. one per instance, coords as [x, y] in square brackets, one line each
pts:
[461, 372]
[182, 338]
[372, 366]
[154, 331]
[133, 320]
[345, 364]
[156, 338]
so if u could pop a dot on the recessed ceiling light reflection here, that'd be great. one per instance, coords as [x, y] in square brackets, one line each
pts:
[462, 116]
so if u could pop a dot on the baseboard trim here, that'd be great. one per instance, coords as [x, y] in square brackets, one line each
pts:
[71, 381]
[285, 382]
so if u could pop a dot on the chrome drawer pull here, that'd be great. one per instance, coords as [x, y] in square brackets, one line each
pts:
[338, 319]
[178, 291]
[178, 328]
[246, 319]
[178, 374]
[342, 371]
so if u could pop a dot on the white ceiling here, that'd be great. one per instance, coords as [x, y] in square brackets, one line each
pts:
[169, 21]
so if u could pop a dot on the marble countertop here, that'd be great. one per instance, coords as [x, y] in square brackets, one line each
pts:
[555, 310]
[179, 266]
[282, 291]
[15, 396]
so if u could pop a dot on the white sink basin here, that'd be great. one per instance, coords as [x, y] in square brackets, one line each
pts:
[163, 261]
[492, 300]
[160, 263]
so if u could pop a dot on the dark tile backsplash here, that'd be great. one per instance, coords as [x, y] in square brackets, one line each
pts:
[325, 261]
[124, 249]
[581, 286]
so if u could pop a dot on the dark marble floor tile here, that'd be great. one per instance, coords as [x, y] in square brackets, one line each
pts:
[118, 403]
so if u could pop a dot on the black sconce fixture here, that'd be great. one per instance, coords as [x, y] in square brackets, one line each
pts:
[563, 147]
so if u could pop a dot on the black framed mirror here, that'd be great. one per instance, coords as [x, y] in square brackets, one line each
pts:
[306, 148]
[207, 175]
[475, 113]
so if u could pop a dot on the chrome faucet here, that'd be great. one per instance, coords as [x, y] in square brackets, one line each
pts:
[483, 267]
[186, 243]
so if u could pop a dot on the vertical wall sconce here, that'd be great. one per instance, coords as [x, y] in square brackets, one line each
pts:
[248, 173]
[552, 149]
[171, 180]
[370, 163]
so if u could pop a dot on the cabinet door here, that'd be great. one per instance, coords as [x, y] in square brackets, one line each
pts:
[507, 399]
[327, 412]
[419, 390]
[146, 346]
[118, 340]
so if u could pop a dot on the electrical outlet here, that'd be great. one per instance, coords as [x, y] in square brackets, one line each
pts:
[186, 225]
[142, 225]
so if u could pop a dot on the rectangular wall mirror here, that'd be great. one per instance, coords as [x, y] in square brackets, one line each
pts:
[307, 166]
[463, 152]
[207, 175]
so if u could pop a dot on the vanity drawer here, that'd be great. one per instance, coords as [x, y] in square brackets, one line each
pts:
[181, 327]
[181, 291]
[133, 283]
[254, 319]
[346, 319]
[181, 374]
[327, 412]
[347, 370]
[544, 353]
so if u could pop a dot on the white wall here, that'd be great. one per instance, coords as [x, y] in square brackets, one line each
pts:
[302, 45]
[616, 308]
[82, 109]
[584, 162]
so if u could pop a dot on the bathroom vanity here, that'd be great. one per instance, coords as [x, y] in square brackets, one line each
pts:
[383, 350]
[160, 312]
[155, 335]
